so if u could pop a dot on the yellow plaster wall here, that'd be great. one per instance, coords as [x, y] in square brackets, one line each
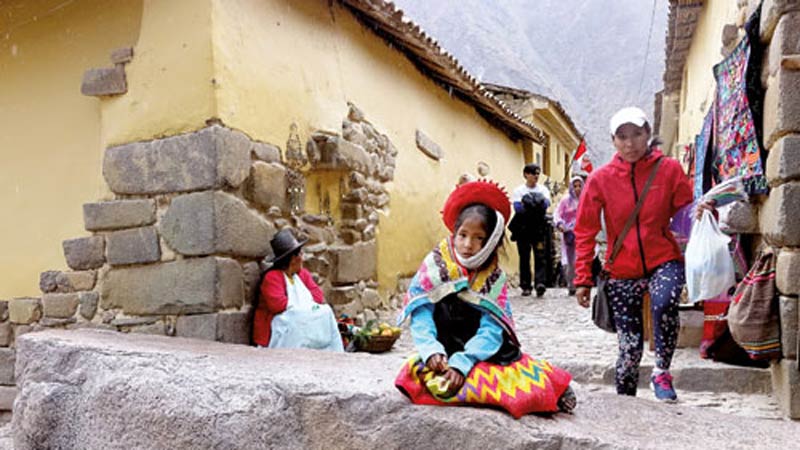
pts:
[171, 80]
[697, 92]
[50, 143]
[280, 62]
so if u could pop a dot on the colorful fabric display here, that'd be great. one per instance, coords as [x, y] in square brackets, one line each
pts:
[737, 148]
[440, 275]
[525, 386]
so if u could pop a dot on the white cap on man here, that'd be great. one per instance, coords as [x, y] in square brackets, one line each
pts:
[630, 114]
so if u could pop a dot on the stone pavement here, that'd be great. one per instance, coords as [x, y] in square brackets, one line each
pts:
[554, 327]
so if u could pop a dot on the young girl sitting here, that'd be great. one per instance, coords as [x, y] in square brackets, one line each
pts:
[461, 319]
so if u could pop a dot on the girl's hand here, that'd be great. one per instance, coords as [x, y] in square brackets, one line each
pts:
[456, 381]
[582, 294]
[708, 205]
[437, 363]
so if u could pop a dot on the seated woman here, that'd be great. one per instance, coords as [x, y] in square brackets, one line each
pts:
[291, 310]
[461, 323]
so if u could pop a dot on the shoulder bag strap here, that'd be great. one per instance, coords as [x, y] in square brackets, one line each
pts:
[632, 218]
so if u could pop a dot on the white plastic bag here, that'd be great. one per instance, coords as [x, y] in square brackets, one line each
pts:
[709, 266]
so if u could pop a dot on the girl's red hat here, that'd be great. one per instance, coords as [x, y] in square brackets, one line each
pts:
[485, 192]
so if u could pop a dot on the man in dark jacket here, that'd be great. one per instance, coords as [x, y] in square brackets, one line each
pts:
[531, 201]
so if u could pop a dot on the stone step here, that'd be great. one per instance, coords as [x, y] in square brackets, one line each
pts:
[717, 378]
[120, 391]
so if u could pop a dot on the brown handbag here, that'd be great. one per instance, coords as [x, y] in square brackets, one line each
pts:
[602, 316]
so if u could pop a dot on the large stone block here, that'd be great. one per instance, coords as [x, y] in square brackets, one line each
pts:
[269, 185]
[266, 152]
[135, 246]
[771, 12]
[198, 326]
[783, 162]
[739, 217]
[210, 158]
[85, 253]
[152, 392]
[787, 272]
[203, 223]
[342, 295]
[785, 41]
[7, 396]
[778, 217]
[234, 327]
[24, 310]
[188, 225]
[7, 360]
[88, 304]
[353, 156]
[251, 273]
[786, 386]
[188, 286]
[353, 263]
[230, 283]
[782, 106]
[76, 281]
[48, 281]
[371, 299]
[65, 282]
[789, 321]
[118, 214]
[60, 306]
[6, 334]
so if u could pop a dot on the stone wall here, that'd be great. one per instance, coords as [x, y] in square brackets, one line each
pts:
[779, 222]
[179, 250]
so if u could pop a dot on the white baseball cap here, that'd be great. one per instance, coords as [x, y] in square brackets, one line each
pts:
[630, 114]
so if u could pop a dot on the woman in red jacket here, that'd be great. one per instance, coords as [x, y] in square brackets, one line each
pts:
[649, 260]
[291, 310]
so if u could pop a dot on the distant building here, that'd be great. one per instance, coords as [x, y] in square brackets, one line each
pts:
[562, 136]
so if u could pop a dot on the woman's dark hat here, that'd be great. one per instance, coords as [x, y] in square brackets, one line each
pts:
[284, 244]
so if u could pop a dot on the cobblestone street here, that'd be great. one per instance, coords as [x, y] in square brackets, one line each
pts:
[554, 327]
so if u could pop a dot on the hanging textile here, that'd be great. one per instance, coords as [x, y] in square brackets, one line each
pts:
[737, 147]
[702, 161]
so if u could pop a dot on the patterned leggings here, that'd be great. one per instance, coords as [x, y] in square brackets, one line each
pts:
[626, 298]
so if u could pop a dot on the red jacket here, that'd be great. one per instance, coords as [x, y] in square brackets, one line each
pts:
[273, 301]
[614, 189]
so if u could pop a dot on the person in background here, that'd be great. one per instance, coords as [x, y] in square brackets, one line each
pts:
[649, 259]
[530, 201]
[565, 216]
[291, 310]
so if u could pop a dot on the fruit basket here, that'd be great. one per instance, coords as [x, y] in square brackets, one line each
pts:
[376, 338]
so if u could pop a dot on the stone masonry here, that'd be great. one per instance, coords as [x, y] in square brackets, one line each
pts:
[179, 250]
[778, 220]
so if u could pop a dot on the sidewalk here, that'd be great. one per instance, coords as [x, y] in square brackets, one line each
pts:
[554, 327]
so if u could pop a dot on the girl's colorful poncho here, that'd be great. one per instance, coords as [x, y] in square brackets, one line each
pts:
[440, 275]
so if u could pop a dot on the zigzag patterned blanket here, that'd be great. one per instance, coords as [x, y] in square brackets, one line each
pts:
[525, 386]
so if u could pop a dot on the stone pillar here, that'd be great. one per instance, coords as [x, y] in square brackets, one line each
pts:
[779, 222]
